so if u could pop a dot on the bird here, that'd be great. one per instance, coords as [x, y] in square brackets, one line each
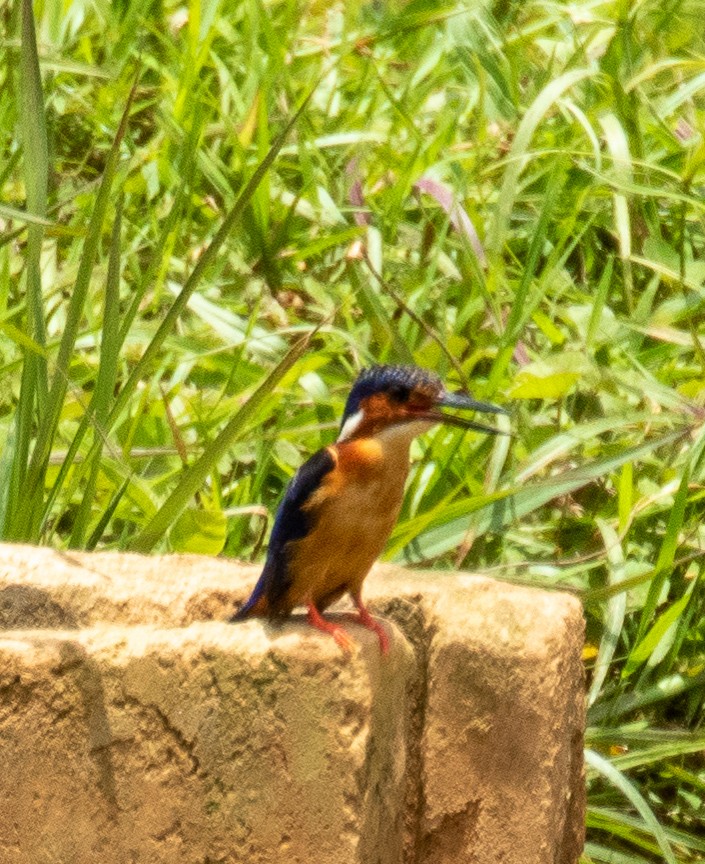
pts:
[341, 505]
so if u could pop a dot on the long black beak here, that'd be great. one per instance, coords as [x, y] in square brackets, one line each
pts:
[466, 403]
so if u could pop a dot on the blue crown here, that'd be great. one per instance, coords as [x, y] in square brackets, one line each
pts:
[397, 381]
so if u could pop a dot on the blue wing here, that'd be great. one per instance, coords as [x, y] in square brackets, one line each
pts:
[292, 523]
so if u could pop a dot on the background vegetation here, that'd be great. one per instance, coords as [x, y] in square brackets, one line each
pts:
[212, 214]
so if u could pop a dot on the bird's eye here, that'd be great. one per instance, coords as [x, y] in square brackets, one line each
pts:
[399, 394]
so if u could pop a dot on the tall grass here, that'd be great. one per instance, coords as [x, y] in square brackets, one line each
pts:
[213, 214]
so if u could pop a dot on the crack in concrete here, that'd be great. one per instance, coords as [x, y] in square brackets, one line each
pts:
[411, 616]
[185, 746]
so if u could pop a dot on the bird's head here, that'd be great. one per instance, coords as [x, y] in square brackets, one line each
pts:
[408, 399]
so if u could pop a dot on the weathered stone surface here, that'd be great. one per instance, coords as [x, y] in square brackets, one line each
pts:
[203, 743]
[503, 737]
[137, 727]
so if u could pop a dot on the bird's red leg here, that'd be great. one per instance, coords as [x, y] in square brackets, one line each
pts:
[364, 618]
[342, 638]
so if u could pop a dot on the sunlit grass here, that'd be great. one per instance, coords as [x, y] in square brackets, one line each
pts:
[191, 273]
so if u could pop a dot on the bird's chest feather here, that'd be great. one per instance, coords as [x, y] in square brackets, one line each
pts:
[366, 490]
[365, 510]
[353, 514]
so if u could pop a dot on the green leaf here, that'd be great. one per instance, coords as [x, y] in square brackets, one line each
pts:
[105, 379]
[560, 445]
[665, 622]
[200, 532]
[494, 512]
[607, 855]
[20, 338]
[12, 213]
[664, 690]
[551, 378]
[33, 387]
[682, 745]
[553, 385]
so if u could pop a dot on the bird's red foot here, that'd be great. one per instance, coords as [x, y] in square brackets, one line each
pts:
[341, 636]
[364, 618]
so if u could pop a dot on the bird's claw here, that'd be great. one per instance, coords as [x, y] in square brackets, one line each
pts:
[364, 619]
[342, 638]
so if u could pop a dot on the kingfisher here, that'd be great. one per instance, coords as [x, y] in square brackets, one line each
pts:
[341, 505]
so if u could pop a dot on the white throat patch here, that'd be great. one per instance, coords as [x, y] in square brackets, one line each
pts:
[395, 434]
[351, 425]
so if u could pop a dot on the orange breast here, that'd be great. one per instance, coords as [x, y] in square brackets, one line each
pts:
[353, 513]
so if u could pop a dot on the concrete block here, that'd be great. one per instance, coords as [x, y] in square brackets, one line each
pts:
[503, 736]
[138, 728]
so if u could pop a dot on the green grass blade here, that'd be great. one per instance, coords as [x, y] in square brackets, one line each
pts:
[106, 377]
[33, 386]
[36, 174]
[615, 609]
[31, 516]
[667, 553]
[12, 213]
[631, 828]
[107, 515]
[630, 791]
[559, 446]
[503, 508]
[196, 474]
[660, 752]
[205, 261]
[520, 308]
[664, 690]
[605, 855]
[618, 146]
[662, 629]
[519, 153]
[8, 485]
[168, 234]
